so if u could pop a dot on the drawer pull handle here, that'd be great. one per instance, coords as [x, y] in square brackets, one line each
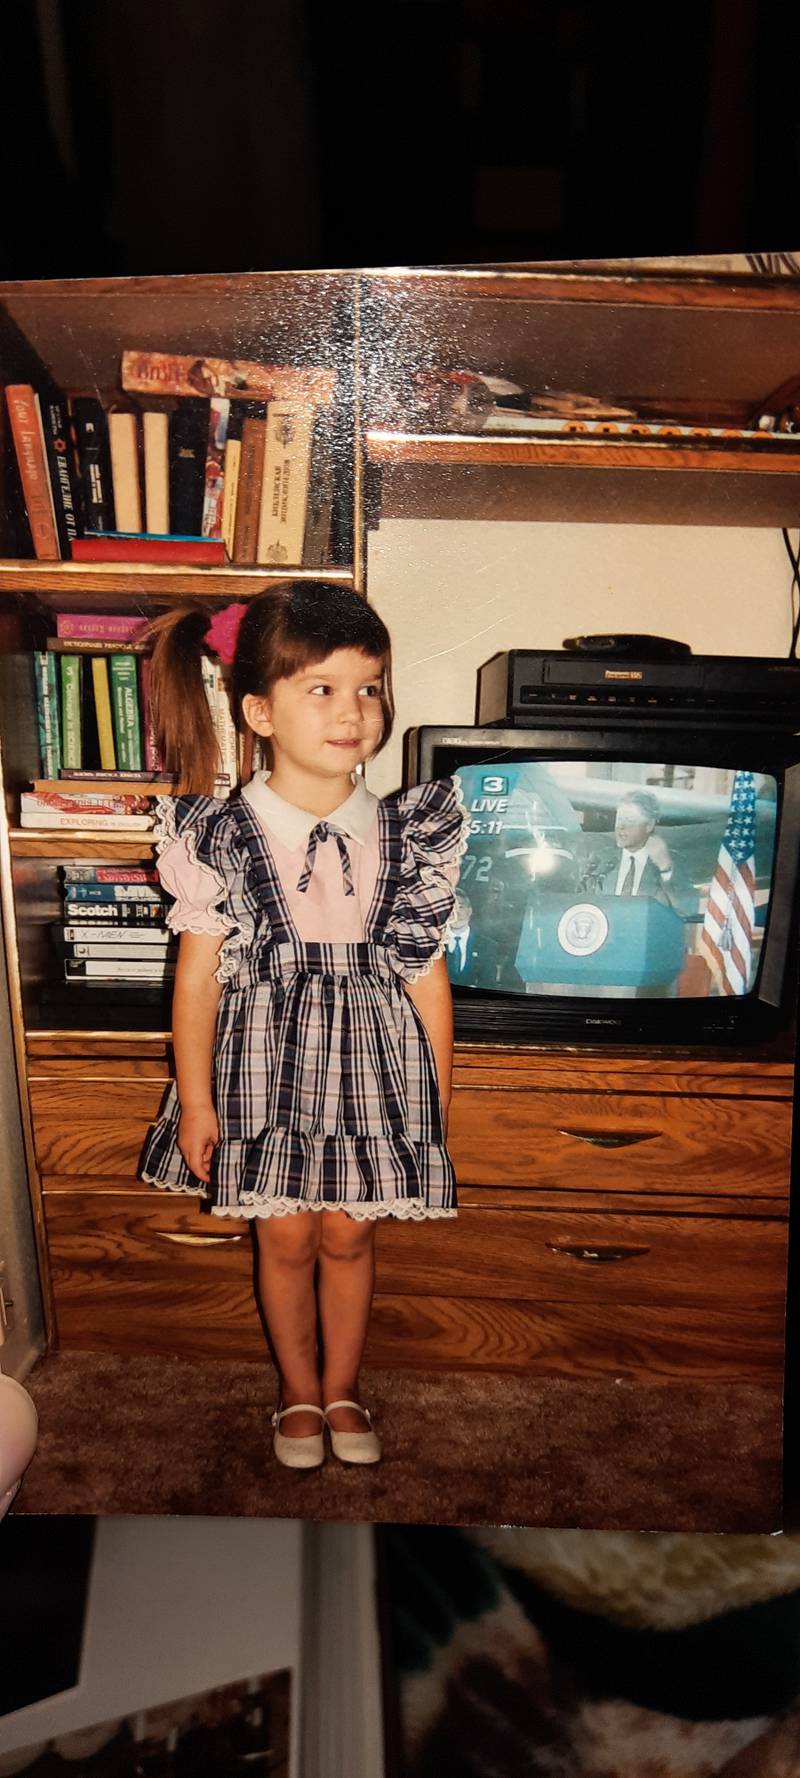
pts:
[599, 1255]
[612, 1138]
[197, 1240]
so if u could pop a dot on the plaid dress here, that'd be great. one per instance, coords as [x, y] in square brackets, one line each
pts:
[324, 1077]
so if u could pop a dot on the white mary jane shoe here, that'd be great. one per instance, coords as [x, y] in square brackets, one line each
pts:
[299, 1453]
[353, 1447]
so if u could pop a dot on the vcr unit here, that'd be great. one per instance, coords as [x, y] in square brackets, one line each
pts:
[524, 688]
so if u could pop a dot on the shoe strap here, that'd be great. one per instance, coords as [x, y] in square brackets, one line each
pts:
[349, 1404]
[302, 1407]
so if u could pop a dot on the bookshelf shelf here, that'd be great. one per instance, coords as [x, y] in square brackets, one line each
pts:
[452, 476]
[82, 583]
[499, 450]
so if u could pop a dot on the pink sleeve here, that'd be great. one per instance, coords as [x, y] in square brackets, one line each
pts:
[196, 888]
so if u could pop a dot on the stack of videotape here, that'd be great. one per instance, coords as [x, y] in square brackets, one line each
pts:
[114, 929]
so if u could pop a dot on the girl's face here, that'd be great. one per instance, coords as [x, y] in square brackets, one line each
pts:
[326, 719]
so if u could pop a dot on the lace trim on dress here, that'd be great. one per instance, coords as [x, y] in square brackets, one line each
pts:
[165, 826]
[450, 870]
[193, 1191]
[406, 1209]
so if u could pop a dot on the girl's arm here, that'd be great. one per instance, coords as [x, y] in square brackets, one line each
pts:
[194, 1019]
[433, 1000]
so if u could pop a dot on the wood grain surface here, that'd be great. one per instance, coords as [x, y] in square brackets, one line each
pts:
[159, 1274]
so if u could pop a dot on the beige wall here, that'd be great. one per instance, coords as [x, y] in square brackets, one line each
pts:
[454, 593]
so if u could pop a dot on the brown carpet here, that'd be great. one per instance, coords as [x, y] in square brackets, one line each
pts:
[163, 1435]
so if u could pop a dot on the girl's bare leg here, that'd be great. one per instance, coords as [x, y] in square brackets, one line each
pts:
[287, 1254]
[346, 1280]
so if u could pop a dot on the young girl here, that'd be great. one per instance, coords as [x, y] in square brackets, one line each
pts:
[312, 1019]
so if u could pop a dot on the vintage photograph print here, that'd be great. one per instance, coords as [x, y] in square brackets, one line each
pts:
[400, 722]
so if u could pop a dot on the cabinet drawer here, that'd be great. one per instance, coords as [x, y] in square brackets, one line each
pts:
[585, 1257]
[635, 1343]
[145, 1274]
[88, 1127]
[622, 1142]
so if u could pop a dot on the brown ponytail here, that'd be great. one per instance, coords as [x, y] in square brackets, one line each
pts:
[182, 721]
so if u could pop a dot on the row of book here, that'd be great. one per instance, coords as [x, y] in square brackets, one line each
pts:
[91, 687]
[113, 925]
[195, 461]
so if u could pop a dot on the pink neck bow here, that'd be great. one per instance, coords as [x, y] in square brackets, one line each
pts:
[223, 630]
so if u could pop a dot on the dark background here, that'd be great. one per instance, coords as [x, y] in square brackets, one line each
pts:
[228, 135]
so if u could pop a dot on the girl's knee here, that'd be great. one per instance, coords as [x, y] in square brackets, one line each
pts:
[345, 1237]
[292, 1240]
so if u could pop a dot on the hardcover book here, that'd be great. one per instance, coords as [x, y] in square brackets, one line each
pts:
[213, 495]
[167, 373]
[188, 438]
[71, 710]
[319, 503]
[63, 481]
[224, 727]
[63, 819]
[102, 706]
[94, 626]
[155, 430]
[190, 552]
[284, 491]
[89, 428]
[251, 473]
[84, 802]
[90, 728]
[125, 707]
[45, 672]
[153, 782]
[26, 431]
[123, 440]
[95, 645]
[230, 490]
[152, 758]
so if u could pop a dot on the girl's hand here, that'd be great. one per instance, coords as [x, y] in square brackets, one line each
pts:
[198, 1135]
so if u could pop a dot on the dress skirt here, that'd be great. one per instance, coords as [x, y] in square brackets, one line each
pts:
[326, 1094]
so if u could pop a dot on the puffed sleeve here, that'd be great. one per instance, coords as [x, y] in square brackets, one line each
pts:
[434, 825]
[185, 843]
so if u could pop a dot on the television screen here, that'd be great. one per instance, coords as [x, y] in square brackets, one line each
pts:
[613, 878]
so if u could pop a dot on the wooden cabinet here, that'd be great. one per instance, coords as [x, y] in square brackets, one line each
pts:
[621, 1214]
[604, 1228]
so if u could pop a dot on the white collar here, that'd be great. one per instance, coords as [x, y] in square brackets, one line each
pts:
[292, 826]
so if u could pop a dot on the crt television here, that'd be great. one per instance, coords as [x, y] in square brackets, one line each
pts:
[630, 883]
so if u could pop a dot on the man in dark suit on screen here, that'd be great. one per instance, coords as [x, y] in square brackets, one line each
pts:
[645, 865]
[472, 957]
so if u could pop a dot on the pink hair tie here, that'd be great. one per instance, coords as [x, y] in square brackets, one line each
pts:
[223, 630]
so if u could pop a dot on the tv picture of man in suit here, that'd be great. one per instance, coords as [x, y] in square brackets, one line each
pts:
[473, 956]
[646, 865]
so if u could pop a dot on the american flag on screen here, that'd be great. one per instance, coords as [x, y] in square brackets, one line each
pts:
[727, 935]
